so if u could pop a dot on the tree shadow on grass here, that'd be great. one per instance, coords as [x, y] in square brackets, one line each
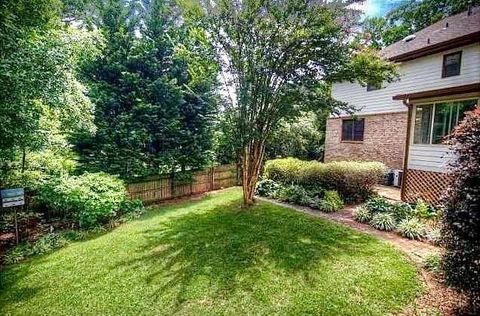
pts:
[231, 249]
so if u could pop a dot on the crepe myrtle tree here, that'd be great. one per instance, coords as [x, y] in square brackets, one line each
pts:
[280, 57]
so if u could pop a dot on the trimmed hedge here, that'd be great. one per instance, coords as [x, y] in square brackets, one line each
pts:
[353, 180]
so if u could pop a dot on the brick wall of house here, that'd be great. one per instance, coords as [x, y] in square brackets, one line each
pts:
[383, 140]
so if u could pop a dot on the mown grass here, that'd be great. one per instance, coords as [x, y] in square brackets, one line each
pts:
[212, 257]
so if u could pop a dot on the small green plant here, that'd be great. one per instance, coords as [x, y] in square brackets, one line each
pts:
[43, 245]
[331, 202]
[412, 228]
[267, 188]
[401, 211]
[423, 210]
[434, 235]
[378, 205]
[295, 194]
[383, 221]
[433, 263]
[362, 214]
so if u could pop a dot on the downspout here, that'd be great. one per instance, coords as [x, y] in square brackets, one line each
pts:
[407, 103]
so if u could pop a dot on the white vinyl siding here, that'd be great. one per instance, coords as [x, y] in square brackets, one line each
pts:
[422, 74]
[430, 157]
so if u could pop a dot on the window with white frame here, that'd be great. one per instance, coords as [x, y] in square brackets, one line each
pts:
[435, 121]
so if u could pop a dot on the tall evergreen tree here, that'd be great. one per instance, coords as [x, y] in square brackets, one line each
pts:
[153, 89]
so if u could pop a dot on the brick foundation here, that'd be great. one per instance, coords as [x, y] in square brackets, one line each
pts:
[426, 185]
[383, 140]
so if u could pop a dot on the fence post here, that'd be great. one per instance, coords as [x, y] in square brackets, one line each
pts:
[212, 178]
[172, 185]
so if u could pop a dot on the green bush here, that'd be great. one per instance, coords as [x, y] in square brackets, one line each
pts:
[383, 221]
[401, 210]
[412, 228]
[90, 199]
[43, 245]
[295, 194]
[267, 187]
[352, 180]
[331, 202]
[425, 211]
[379, 205]
[362, 214]
[285, 170]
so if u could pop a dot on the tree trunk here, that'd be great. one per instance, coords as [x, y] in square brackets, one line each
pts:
[251, 165]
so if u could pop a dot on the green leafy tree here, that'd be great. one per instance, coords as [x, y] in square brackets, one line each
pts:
[39, 59]
[280, 56]
[153, 88]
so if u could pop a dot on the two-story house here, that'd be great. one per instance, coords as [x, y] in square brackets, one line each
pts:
[402, 123]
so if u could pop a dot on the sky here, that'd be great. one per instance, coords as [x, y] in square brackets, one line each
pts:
[378, 7]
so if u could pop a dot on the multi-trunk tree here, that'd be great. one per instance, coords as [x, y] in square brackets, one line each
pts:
[279, 57]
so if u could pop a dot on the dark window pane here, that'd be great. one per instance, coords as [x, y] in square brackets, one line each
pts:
[451, 64]
[423, 119]
[371, 87]
[464, 106]
[441, 122]
[358, 127]
[347, 130]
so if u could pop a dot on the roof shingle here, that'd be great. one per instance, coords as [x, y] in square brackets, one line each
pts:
[465, 26]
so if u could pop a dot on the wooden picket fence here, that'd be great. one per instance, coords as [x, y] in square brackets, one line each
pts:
[165, 187]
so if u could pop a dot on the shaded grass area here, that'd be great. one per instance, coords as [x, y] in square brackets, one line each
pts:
[212, 257]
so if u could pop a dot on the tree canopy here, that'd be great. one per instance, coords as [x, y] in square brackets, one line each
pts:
[39, 89]
[280, 56]
[153, 87]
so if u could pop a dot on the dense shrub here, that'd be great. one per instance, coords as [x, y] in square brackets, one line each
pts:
[286, 170]
[295, 194]
[267, 187]
[90, 199]
[412, 228]
[331, 202]
[353, 180]
[383, 221]
[461, 219]
[401, 211]
[425, 211]
[362, 214]
[379, 205]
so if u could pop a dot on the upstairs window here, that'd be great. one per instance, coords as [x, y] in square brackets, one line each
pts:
[451, 64]
[435, 121]
[372, 87]
[352, 130]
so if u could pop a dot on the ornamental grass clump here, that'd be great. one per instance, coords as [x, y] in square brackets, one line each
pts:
[383, 221]
[362, 214]
[412, 228]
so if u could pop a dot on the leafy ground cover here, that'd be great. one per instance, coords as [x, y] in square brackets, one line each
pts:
[212, 257]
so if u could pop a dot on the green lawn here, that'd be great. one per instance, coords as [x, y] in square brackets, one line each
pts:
[211, 257]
